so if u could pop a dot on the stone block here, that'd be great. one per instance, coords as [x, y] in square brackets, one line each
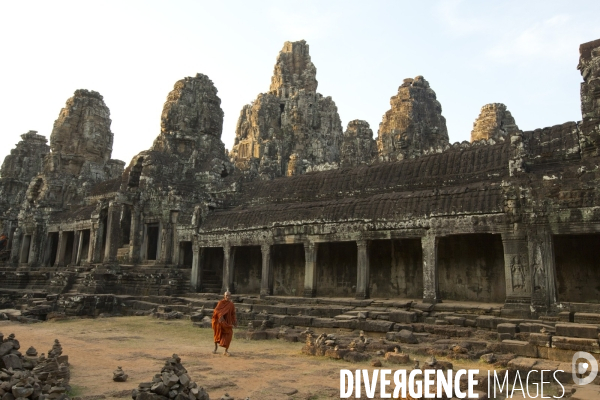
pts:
[519, 348]
[397, 358]
[324, 323]
[575, 344]
[521, 364]
[404, 336]
[459, 321]
[505, 336]
[585, 331]
[405, 317]
[374, 325]
[271, 309]
[400, 327]
[507, 328]
[257, 335]
[540, 339]
[355, 356]
[534, 327]
[566, 316]
[296, 320]
[486, 322]
[586, 318]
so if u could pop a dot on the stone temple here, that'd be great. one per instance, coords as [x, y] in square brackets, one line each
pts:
[300, 207]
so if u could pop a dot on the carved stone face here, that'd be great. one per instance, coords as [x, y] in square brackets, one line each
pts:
[401, 141]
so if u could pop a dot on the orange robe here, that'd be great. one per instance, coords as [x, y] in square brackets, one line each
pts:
[223, 331]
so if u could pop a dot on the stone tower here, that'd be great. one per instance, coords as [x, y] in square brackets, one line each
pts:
[589, 66]
[292, 129]
[414, 124]
[494, 121]
[83, 128]
[358, 146]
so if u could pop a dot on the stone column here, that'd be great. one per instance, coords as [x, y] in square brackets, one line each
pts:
[135, 236]
[96, 234]
[362, 273]
[543, 268]
[516, 271]
[195, 277]
[76, 250]
[79, 241]
[34, 246]
[228, 262]
[113, 233]
[266, 281]
[310, 269]
[15, 250]
[62, 248]
[429, 244]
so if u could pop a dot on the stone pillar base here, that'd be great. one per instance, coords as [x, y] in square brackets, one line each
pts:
[361, 296]
[309, 293]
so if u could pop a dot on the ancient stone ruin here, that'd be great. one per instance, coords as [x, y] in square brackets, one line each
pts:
[301, 213]
[495, 121]
[31, 376]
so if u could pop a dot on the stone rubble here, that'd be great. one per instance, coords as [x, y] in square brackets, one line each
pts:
[32, 377]
[172, 382]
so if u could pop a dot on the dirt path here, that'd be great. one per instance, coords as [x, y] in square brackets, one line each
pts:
[258, 369]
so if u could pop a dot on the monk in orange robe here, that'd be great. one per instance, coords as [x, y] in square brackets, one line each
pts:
[223, 321]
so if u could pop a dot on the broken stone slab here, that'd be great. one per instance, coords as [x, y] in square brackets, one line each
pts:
[535, 327]
[586, 318]
[374, 325]
[405, 317]
[355, 356]
[584, 331]
[486, 322]
[519, 348]
[540, 339]
[404, 336]
[397, 358]
[459, 321]
[509, 328]
[576, 344]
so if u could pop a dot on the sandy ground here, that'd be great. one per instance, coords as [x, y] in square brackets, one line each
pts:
[261, 370]
[257, 369]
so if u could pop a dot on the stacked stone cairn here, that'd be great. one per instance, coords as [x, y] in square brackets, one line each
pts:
[172, 382]
[119, 375]
[30, 376]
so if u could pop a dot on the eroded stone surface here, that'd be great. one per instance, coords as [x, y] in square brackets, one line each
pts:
[414, 124]
[493, 122]
[292, 129]
[358, 145]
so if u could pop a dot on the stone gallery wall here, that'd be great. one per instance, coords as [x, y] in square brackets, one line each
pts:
[300, 207]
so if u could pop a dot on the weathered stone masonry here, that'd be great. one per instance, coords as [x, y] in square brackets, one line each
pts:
[301, 208]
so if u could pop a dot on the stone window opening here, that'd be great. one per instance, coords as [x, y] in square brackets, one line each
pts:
[136, 172]
[152, 246]
[69, 237]
[53, 247]
[85, 245]
[186, 254]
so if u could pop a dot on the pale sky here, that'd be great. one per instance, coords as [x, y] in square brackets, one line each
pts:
[520, 53]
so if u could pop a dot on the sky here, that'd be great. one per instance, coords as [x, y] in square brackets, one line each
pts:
[522, 54]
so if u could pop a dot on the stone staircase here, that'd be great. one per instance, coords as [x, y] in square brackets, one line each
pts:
[211, 282]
